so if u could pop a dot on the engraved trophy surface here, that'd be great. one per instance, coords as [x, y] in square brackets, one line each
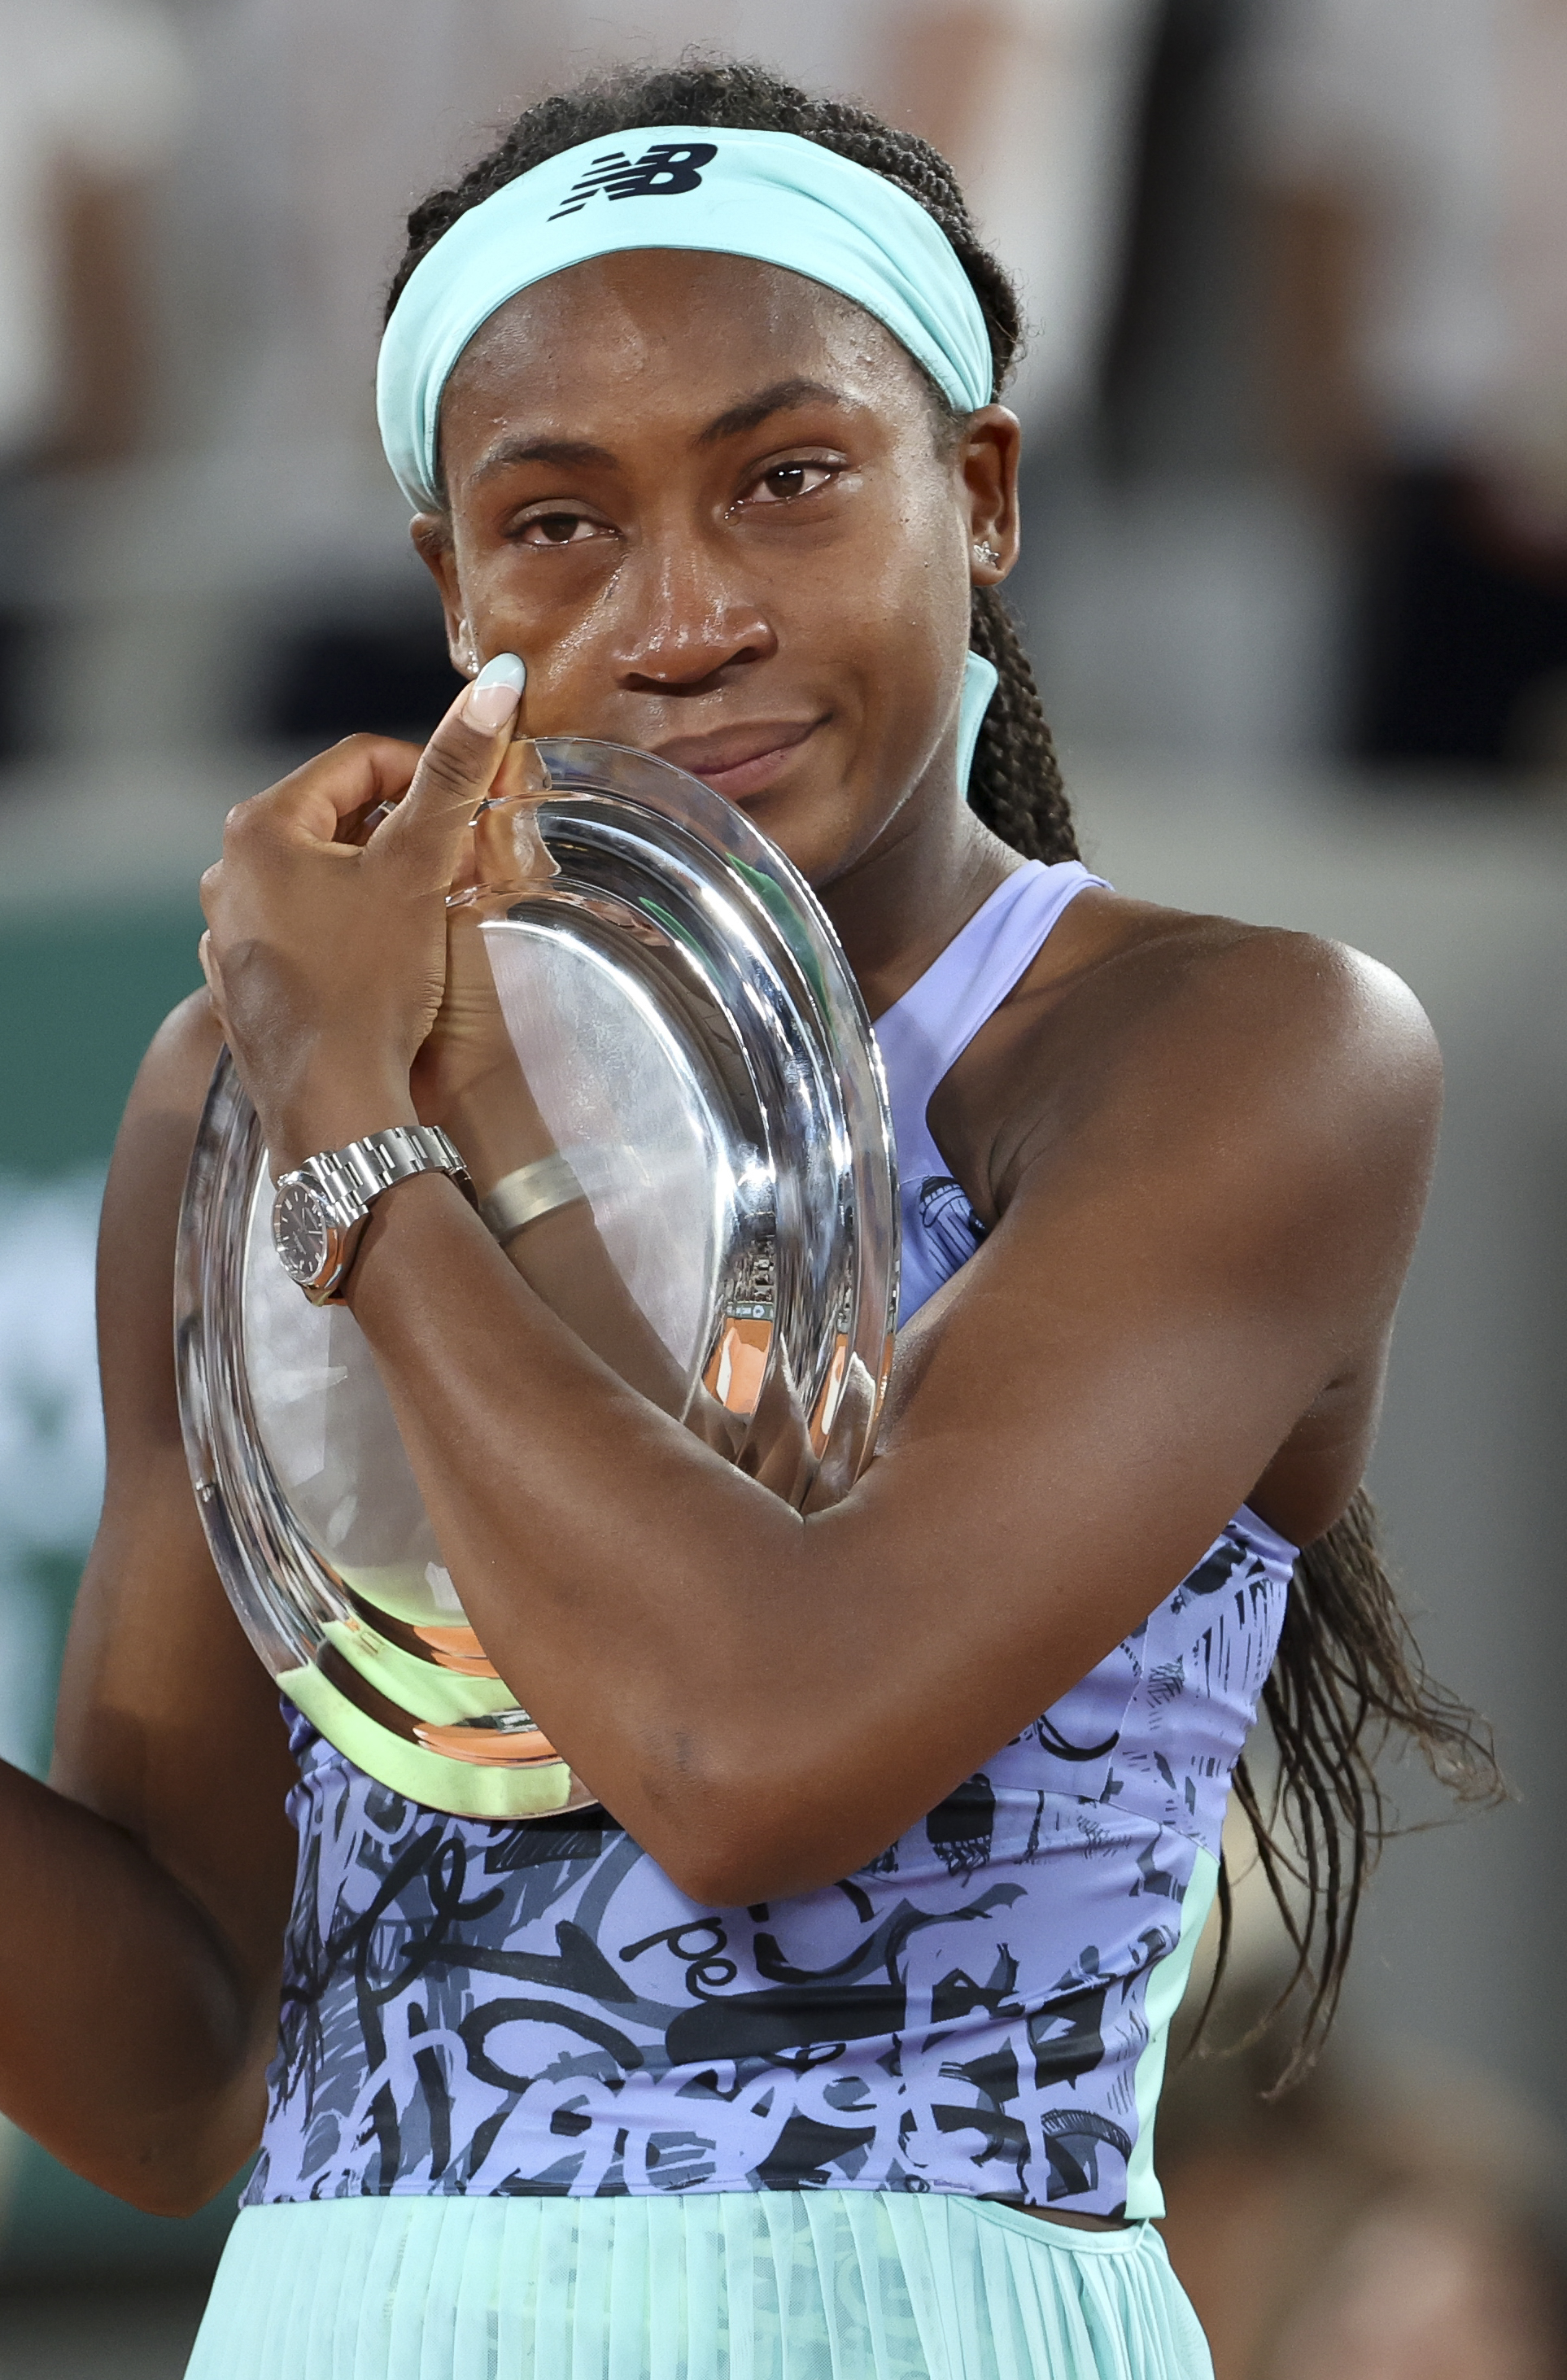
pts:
[688, 1072]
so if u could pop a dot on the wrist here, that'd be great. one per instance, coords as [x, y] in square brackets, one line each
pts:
[327, 1116]
[321, 1211]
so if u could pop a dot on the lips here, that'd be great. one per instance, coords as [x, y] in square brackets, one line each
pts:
[741, 760]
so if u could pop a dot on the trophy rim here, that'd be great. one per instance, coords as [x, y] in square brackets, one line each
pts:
[752, 930]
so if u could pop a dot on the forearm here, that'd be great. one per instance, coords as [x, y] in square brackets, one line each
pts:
[491, 1114]
[765, 1701]
[573, 1514]
[127, 2043]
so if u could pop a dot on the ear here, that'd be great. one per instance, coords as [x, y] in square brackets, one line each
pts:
[987, 461]
[431, 534]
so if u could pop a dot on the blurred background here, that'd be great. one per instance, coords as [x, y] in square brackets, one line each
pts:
[1295, 581]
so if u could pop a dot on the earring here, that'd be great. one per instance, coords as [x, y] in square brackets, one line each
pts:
[468, 652]
[986, 552]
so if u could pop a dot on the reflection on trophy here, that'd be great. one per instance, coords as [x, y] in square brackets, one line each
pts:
[660, 1078]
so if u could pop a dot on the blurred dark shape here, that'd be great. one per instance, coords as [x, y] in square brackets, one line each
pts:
[381, 676]
[1035, 103]
[1413, 158]
[16, 644]
[1174, 387]
[1180, 596]
[130, 2331]
[1464, 651]
[1361, 2226]
[91, 92]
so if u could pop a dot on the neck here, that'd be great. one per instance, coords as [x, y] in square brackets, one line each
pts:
[897, 906]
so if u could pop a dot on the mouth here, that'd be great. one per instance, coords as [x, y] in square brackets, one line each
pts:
[738, 761]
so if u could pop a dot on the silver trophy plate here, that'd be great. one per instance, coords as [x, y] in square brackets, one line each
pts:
[695, 1049]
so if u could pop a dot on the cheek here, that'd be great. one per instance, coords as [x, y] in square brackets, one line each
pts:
[910, 633]
[554, 627]
[491, 584]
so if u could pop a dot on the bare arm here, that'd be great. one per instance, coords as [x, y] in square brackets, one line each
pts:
[766, 1702]
[1216, 1164]
[147, 1888]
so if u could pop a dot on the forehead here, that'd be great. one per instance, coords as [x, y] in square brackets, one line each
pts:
[668, 330]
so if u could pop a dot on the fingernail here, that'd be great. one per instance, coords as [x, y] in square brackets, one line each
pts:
[493, 697]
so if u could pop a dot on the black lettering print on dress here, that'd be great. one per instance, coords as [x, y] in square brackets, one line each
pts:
[471, 2009]
[951, 1224]
[1071, 2144]
[961, 1829]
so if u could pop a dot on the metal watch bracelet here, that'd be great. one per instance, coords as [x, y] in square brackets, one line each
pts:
[320, 1208]
[352, 1177]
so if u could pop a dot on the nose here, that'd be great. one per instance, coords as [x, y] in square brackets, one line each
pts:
[684, 624]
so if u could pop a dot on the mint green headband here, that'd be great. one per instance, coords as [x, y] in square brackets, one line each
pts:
[773, 196]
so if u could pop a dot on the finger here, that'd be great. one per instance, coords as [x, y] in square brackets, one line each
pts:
[208, 958]
[313, 801]
[456, 772]
[362, 825]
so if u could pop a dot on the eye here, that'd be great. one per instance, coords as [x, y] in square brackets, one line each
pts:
[558, 528]
[781, 483]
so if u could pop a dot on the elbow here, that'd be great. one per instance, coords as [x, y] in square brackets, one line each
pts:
[173, 2194]
[154, 2179]
[173, 2167]
[760, 1805]
[717, 1877]
[735, 1845]
[181, 2181]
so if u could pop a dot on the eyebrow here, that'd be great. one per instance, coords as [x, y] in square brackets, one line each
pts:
[576, 454]
[565, 454]
[752, 411]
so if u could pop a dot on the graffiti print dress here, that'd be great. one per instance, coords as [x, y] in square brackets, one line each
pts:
[482, 2009]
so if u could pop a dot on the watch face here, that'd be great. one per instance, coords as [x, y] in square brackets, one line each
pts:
[299, 1232]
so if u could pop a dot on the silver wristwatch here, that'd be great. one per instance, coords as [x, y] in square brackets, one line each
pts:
[318, 1214]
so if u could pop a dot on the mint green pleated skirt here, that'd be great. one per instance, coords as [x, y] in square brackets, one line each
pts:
[829, 2285]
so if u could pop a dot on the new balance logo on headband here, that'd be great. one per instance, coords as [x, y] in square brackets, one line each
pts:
[660, 172]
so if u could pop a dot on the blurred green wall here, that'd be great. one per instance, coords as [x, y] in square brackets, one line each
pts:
[82, 989]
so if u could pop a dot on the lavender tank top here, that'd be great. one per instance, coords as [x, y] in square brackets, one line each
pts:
[486, 2010]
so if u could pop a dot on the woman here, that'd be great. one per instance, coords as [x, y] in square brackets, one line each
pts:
[835, 2047]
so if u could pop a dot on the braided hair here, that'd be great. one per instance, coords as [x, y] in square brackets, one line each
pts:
[1348, 1673]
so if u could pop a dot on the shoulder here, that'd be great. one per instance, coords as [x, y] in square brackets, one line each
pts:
[1167, 1030]
[1260, 998]
[169, 1092]
[141, 1202]
[165, 1107]
[181, 1054]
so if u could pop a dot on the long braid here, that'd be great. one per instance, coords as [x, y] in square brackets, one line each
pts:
[1347, 1676]
[1348, 1673]
[1014, 786]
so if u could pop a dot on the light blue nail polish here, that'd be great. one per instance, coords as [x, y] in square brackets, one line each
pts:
[506, 669]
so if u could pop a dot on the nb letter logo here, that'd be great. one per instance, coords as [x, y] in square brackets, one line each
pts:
[662, 171]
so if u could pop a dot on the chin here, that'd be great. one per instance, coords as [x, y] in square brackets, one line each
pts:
[806, 824]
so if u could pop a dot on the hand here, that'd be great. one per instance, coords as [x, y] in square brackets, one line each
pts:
[327, 960]
[467, 1077]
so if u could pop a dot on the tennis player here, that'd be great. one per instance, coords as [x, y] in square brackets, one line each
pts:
[829, 2046]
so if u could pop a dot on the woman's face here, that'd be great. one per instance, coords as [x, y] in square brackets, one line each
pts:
[712, 506]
